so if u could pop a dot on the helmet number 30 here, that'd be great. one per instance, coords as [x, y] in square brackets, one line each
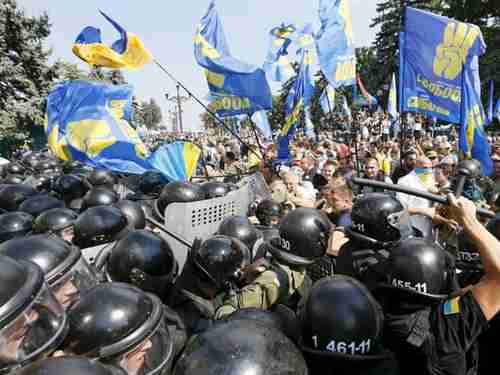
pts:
[285, 244]
[346, 347]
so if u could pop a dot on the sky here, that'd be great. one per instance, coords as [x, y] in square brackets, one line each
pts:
[167, 28]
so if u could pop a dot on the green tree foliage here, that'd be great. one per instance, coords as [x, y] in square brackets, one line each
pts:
[151, 114]
[25, 75]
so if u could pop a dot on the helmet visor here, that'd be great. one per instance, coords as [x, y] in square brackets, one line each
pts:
[151, 356]
[74, 283]
[401, 222]
[36, 332]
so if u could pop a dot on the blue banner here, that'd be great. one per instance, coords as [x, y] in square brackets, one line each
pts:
[497, 110]
[335, 44]
[327, 99]
[277, 65]
[229, 80]
[392, 103]
[88, 121]
[434, 51]
[473, 140]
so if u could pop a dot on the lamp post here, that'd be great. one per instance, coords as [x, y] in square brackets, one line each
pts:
[178, 100]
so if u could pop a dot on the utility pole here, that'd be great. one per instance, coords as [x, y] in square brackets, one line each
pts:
[178, 100]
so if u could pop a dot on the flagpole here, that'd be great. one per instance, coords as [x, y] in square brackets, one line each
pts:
[216, 118]
[254, 130]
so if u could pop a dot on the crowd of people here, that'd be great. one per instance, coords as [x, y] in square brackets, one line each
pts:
[324, 275]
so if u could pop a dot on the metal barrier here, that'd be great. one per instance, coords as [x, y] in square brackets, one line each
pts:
[201, 219]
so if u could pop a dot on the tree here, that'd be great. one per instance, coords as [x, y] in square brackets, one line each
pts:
[66, 71]
[151, 113]
[25, 75]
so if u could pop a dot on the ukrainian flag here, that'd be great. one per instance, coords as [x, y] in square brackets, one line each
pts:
[176, 161]
[127, 52]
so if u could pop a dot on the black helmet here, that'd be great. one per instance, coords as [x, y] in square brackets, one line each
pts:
[40, 203]
[99, 196]
[303, 239]
[43, 165]
[113, 321]
[151, 183]
[379, 219]
[54, 220]
[15, 168]
[31, 160]
[11, 196]
[101, 178]
[15, 224]
[134, 213]
[177, 192]
[341, 319]
[13, 179]
[241, 347]
[416, 270]
[143, 259]
[99, 225]
[65, 270]
[267, 210]
[70, 187]
[65, 366]
[239, 227]
[45, 182]
[494, 226]
[220, 259]
[214, 189]
[32, 322]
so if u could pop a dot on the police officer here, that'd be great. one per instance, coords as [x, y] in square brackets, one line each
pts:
[11, 196]
[212, 267]
[67, 273]
[136, 216]
[57, 221]
[333, 346]
[432, 333]
[32, 322]
[214, 189]
[120, 325]
[71, 189]
[177, 192]
[268, 213]
[15, 224]
[68, 365]
[240, 228]
[240, 347]
[40, 203]
[304, 235]
[98, 196]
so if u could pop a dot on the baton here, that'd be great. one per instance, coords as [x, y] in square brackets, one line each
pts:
[417, 193]
[166, 231]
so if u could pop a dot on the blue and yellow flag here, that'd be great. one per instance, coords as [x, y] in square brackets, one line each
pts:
[335, 43]
[435, 50]
[261, 120]
[239, 87]
[392, 103]
[277, 65]
[176, 161]
[88, 121]
[473, 140]
[327, 99]
[127, 52]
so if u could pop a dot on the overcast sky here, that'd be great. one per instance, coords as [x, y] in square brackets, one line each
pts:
[167, 29]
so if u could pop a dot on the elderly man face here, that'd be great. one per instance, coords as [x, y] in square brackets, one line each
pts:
[371, 168]
[291, 181]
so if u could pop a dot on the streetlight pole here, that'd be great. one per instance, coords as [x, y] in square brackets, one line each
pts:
[178, 100]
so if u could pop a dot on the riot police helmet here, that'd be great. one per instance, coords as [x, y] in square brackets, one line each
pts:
[134, 213]
[214, 189]
[177, 192]
[494, 226]
[11, 196]
[55, 221]
[239, 227]
[102, 178]
[32, 322]
[268, 212]
[99, 225]
[120, 325]
[379, 220]
[70, 187]
[66, 271]
[13, 179]
[240, 347]
[15, 224]
[341, 319]
[220, 260]
[40, 203]
[303, 237]
[143, 259]
[15, 168]
[415, 271]
[99, 196]
[151, 183]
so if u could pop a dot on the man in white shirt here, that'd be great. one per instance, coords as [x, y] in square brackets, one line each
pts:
[421, 178]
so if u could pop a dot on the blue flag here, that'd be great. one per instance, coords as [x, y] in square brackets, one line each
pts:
[392, 103]
[238, 87]
[335, 44]
[127, 52]
[277, 65]
[327, 99]
[88, 121]
[434, 51]
[489, 115]
[497, 110]
[299, 98]
[346, 111]
[473, 140]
